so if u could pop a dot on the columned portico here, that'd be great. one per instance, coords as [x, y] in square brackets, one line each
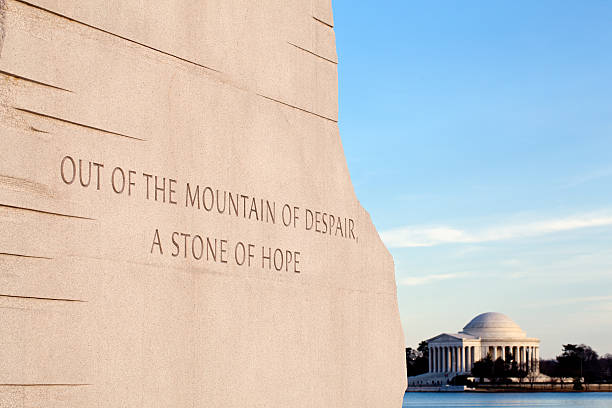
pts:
[452, 357]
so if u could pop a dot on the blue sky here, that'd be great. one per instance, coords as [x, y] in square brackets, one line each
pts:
[479, 137]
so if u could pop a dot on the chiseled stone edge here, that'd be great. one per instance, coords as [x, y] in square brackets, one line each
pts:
[2, 16]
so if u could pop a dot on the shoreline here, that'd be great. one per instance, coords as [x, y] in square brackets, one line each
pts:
[591, 388]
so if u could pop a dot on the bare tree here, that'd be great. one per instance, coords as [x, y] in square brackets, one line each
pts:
[532, 376]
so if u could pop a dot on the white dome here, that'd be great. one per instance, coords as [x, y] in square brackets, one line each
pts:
[493, 325]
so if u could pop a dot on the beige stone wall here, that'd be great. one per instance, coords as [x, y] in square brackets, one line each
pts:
[239, 96]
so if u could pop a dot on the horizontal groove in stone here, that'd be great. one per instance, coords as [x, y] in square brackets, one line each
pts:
[24, 256]
[33, 129]
[312, 53]
[27, 3]
[42, 298]
[42, 385]
[10, 74]
[323, 22]
[16, 207]
[296, 107]
[110, 132]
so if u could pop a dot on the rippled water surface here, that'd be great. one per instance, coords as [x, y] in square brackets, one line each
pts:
[497, 400]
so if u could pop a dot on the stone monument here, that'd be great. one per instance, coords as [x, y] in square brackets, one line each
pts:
[179, 227]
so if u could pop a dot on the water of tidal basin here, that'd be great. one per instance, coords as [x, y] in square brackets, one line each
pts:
[503, 400]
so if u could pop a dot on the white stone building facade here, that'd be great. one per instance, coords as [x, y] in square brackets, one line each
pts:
[494, 334]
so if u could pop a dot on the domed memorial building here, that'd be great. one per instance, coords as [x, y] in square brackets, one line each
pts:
[494, 334]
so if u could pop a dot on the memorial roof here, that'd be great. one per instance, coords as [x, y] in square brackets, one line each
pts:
[493, 325]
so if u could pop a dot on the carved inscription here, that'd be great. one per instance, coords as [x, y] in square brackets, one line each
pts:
[221, 202]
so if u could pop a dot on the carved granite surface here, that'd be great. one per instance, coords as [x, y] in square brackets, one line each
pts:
[179, 228]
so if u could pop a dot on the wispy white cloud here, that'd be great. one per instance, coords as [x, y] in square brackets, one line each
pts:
[424, 280]
[588, 177]
[419, 236]
[596, 300]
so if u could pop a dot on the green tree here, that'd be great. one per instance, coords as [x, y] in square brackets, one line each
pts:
[515, 371]
[605, 366]
[423, 349]
[579, 362]
[411, 356]
[552, 369]
[483, 368]
[417, 360]
[501, 370]
[422, 361]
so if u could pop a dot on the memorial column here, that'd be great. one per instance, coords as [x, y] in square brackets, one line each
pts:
[446, 359]
[435, 359]
[443, 359]
[459, 354]
[473, 356]
[432, 357]
[527, 357]
[470, 357]
[456, 359]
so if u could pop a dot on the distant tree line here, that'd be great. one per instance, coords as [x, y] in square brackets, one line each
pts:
[417, 360]
[580, 363]
[498, 371]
